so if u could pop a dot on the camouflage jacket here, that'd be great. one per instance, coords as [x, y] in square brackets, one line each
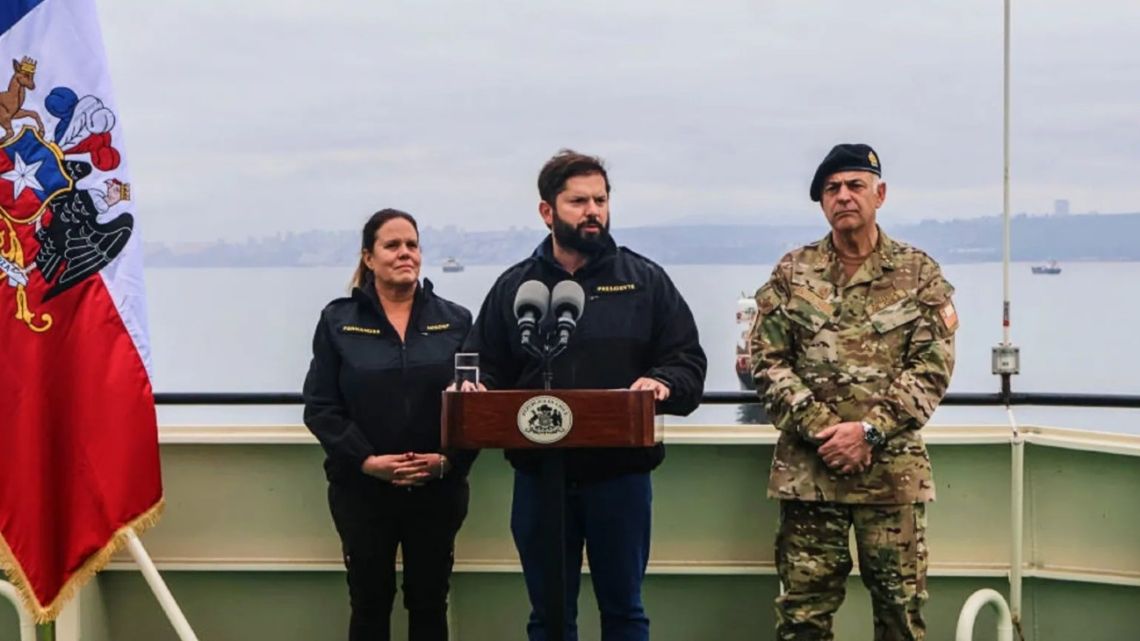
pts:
[877, 348]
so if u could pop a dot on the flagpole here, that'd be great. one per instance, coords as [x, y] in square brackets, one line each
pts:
[158, 586]
[1006, 357]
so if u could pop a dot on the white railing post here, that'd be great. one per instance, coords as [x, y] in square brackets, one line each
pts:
[27, 625]
[1016, 516]
[974, 604]
[158, 586]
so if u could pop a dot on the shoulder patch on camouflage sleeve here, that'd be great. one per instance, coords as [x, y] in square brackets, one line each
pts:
[948, 315]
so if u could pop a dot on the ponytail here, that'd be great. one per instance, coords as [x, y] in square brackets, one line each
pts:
[358, 275]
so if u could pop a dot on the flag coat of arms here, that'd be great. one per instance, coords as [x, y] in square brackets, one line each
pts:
[78, 438]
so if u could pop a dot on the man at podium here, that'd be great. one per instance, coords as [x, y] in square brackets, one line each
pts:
[635, 331]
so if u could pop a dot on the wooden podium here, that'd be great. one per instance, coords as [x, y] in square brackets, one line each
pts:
[552, 420]
[513, 419]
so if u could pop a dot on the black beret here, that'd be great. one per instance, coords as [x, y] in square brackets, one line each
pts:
[845, 157]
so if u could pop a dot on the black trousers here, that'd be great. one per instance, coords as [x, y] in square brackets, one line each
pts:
[373, 518]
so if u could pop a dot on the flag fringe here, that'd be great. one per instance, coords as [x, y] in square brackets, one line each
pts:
[80, 577]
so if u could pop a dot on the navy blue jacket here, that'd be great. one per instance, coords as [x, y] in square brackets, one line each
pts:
[634, 324]
[367, 392]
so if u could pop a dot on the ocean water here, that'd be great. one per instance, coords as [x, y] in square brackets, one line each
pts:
[250, 330]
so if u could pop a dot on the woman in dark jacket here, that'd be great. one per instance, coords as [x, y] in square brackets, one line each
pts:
[381, 357]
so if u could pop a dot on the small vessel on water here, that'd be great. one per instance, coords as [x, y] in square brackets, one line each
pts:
[745, 313]
[1052, 268]
[451, 265]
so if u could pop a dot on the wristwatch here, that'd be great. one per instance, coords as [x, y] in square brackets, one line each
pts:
[872, 435]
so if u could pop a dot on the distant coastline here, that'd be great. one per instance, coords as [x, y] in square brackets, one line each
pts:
[1070, 238]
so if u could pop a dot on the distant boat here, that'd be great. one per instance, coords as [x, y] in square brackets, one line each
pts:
[745, 313]
[1051, 268]
[452, 265]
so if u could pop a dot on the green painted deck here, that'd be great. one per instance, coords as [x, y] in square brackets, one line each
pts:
[248, 548]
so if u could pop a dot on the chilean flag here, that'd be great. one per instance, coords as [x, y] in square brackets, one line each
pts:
[78, 436]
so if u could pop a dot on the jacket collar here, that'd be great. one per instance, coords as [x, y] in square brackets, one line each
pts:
[365, 293]
[881, 259]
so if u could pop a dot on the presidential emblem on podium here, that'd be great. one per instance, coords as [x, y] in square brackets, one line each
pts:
[545, 419]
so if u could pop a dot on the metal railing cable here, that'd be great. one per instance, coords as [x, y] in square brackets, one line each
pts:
[965, 399]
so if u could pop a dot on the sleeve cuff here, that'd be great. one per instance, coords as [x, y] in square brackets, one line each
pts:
[358, 461]
[815, 419]
[884, 422]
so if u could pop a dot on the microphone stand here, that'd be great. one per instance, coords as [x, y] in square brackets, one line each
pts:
[553, 493]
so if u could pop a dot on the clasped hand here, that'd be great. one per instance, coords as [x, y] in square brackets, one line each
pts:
[844, 448]
[404, 470]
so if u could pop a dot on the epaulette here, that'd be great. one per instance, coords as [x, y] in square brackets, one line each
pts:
[650, 261]
[336, 302]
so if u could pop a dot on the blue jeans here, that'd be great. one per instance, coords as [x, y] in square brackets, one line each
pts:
[612, 518]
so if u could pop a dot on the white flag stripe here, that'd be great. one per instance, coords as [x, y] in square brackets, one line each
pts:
[64, 39]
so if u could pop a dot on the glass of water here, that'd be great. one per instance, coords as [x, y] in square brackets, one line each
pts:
[466, 368]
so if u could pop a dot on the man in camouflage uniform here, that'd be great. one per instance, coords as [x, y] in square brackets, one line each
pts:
[852, 350]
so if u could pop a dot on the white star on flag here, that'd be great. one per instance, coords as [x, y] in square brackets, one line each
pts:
[23, 177]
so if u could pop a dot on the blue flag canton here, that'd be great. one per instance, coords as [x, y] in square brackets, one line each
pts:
[42, 173]
[12, 11]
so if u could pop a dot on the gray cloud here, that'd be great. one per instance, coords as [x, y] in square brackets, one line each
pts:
[252, 117]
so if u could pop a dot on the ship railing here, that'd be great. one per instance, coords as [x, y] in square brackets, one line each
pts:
[1008, 613]
[27, 624]
[964, 399]
[974, 605]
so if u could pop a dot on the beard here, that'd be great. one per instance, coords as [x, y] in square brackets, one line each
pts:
[579, 239]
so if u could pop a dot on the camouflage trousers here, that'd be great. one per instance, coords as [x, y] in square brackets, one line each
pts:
[813, 558]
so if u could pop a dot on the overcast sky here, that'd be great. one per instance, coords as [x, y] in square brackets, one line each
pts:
[251, 117]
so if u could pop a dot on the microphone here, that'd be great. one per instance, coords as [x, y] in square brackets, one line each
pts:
[567, 301]
[531, 303]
